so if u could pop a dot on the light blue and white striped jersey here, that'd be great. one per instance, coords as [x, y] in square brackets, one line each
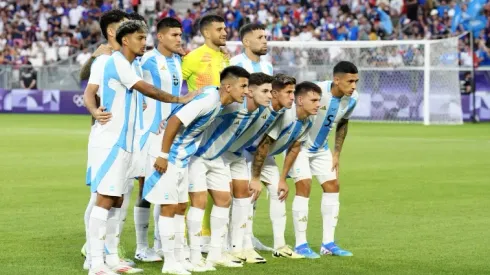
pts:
[196, 116]
[287, 130]
[241, 60]
[97, 71]
[261, 123]
[164, 73]
[119, 99]
[228, 126]
[332, 110]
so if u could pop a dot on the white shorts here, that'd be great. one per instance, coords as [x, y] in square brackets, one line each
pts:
[140, 156]
[110, 171]
[270, 171]
[239, 169]
[209, 174]
[170, 187]
[317, 164]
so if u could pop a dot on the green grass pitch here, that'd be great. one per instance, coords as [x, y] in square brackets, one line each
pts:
[414, 200]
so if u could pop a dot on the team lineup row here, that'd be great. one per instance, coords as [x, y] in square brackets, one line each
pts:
[221, 138]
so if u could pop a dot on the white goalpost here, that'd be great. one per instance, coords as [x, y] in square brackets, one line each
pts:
[415, 81]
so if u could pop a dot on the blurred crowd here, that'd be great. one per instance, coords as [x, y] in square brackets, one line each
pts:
[42, 32]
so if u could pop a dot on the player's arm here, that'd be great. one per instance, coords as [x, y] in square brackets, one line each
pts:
[85, 71]
[90, 99]
[160, 95]
[289, 160]
[173, 125]
[258, 163]
[340, 134]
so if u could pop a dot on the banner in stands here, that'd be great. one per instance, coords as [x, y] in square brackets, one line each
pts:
[387, 102]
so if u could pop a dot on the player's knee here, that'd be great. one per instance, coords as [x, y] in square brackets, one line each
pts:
[198, 199]
[303, 188]
[118, 201]
[241, 190]
[168, 210]
[331, 186]
[181, 208]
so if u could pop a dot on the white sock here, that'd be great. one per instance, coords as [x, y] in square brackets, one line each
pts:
[330, 213]
[141, 223]
[112, 236]
[179, 221]
[167, 236]
[300, 219]
[194, 224]
[86, 218]
[157, 244]
[125, 206]
[278, 217]
[97, 227]
[219, 220]
[239, 217]
[247, 238]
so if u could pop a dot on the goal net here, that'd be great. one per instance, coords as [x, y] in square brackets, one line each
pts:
[400, 81]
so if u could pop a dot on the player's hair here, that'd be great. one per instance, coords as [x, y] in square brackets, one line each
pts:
[137, 16]
[168, 22]
[282, 80]
[235, 72]
[345, 67]
[248, 28]
[129, 27]
[209, 19]
[259, 79]
[306, 87]
[111, 17]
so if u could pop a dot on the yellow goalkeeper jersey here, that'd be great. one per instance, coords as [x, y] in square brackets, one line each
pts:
[202, 66]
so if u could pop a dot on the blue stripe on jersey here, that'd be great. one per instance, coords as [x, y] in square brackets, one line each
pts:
[151, 64]
[270, 69]
[225, 124]
[175, 146]
[104, 168]
[352, 103]
[122, 142]
[266, 125]
[294, 135]
[174, 72]
[327, 124]
[256, 67]
[108, 94]
[238, 132]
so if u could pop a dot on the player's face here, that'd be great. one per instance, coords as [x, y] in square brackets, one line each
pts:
[347, 83]
[217, 33]
[111, 31]
[136, 42]
[310, 102]
[262, 95]
[285, 96]
[257, 42]
[171, 39]
[239, 89]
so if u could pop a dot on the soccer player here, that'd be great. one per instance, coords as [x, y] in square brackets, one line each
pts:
[242, 205]
[210, 168]
[315, 159]
[169, 184]
[109, 22]
[286, 135]
[111, 163]
[202, 67]
[254, 42]
[162, 68]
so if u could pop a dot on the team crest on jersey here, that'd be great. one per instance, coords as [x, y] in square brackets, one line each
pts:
[175, 80]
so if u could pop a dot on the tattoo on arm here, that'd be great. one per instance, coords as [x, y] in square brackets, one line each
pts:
[261, 155]
[155, 93]
[340, 134]
[164, 96]
[85, 71]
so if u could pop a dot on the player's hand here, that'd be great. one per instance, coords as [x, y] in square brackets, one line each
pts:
[181, 52]
[225, 52]
[335, 164]
[102, 116]
[102, 49]
[144, 106]
[161, 165]
[282, 190]
[161, 127]
[190, 96]
[255, 189]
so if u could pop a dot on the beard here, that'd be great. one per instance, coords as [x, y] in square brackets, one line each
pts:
[218, 42]
[259, 52]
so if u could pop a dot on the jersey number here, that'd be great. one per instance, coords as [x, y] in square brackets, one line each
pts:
[330, 119]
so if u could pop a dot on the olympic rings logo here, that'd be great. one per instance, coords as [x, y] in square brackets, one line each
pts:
[78, 100]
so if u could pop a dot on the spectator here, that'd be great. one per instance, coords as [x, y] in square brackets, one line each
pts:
[83, 56]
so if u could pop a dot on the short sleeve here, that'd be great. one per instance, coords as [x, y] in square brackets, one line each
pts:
[276, 128]
[187, 66]
[151, 72]
[193, 110]
[127, 76]
[96, 70]
[352, 105]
